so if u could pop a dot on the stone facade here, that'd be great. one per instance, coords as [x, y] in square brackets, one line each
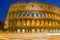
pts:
[34, 17]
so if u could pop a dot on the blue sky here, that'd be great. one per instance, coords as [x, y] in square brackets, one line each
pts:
[5, 4]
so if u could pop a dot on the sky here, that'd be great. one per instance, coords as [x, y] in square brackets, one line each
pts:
[5, 4]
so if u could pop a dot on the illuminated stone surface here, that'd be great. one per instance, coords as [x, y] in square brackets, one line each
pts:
[33, 17]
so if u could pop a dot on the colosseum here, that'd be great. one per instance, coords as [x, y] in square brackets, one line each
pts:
[33, 17]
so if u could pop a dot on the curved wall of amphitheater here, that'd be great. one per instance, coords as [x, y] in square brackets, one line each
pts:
[33, 16]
